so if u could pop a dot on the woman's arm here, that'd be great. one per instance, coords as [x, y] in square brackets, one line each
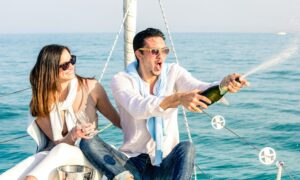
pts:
[45, 126]
[104, 105]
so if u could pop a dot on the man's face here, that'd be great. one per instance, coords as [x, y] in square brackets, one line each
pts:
[153, 56]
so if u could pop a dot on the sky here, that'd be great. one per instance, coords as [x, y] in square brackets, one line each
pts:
[84, 16]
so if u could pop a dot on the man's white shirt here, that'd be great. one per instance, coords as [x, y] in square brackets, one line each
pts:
[135, 109]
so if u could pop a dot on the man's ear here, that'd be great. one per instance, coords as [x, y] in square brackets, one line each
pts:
[138, 54]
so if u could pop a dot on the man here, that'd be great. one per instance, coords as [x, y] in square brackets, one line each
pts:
[147, 95]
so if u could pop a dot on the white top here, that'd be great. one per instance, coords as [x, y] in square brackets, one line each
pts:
[87, 105]
[135, 110]
[55, 118]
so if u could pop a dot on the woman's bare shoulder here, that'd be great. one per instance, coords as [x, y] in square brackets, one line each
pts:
[93, 83]
[95, 88]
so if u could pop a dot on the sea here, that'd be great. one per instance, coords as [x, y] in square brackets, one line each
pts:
[265, 114]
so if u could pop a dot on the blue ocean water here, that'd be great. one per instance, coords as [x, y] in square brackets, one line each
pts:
[266, 113]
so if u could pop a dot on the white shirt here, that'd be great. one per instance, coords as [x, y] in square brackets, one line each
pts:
[135, 109]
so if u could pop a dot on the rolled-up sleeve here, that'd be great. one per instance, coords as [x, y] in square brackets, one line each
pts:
[128, 97]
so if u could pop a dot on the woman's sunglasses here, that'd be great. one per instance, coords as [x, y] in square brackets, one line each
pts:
[66, 65]
[156, 51]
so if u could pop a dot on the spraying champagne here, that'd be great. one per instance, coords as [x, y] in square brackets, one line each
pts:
[215, 93]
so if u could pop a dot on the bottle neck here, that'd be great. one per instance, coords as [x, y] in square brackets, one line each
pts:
[223, 89]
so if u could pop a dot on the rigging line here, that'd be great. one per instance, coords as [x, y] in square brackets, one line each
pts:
[168, 30]
[243, 139]
[290, 175]
[177, 61]
[202, 171]
[115, 42]
[186, 125]
[189, 135]
[26, 135]
[8, 140]
[234, 133]
[107, 126]
[15, 92]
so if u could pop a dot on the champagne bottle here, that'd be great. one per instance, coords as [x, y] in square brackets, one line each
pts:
[215, 93]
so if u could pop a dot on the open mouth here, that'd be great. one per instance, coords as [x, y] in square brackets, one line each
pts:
[158, 65]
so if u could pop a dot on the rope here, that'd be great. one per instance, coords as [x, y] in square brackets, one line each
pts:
[202, 171]
[8, 140]
[231, 131]
[15, 92]
[26, 135]
[107, 126]
[169, 33]
[115, 42]
[189, 135]
[243, 140]
[177, 61]
[187, 125]
[288, 173]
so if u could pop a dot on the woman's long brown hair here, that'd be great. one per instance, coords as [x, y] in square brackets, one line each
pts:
[44, 80]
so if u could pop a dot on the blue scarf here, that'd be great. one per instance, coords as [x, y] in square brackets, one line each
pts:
[155, 125]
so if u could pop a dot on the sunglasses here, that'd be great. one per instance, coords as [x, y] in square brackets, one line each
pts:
[156, 51]
[66, 65]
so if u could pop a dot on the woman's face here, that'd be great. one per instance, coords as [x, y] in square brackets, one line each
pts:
[67, 72]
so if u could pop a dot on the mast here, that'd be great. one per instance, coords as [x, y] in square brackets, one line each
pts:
[129, 30]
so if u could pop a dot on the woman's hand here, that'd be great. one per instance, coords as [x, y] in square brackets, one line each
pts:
[83, 131]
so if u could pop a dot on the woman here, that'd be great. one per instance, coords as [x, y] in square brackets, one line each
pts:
[60, 99]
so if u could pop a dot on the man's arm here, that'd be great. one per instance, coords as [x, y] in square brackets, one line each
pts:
[186, 82]
[127, 96]
[190, 100]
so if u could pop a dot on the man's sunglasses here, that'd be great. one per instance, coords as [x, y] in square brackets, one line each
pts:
[156, 51]
[66, 65]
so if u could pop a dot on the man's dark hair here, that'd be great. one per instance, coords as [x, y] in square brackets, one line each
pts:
[138, 41]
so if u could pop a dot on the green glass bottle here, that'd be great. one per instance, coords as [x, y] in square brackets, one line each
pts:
[214, 93]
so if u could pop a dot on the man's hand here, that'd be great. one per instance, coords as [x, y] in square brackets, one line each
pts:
[233, 82]
[193, 101]
[190, 100]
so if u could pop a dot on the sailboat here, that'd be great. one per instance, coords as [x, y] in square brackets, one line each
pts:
[129, 32]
